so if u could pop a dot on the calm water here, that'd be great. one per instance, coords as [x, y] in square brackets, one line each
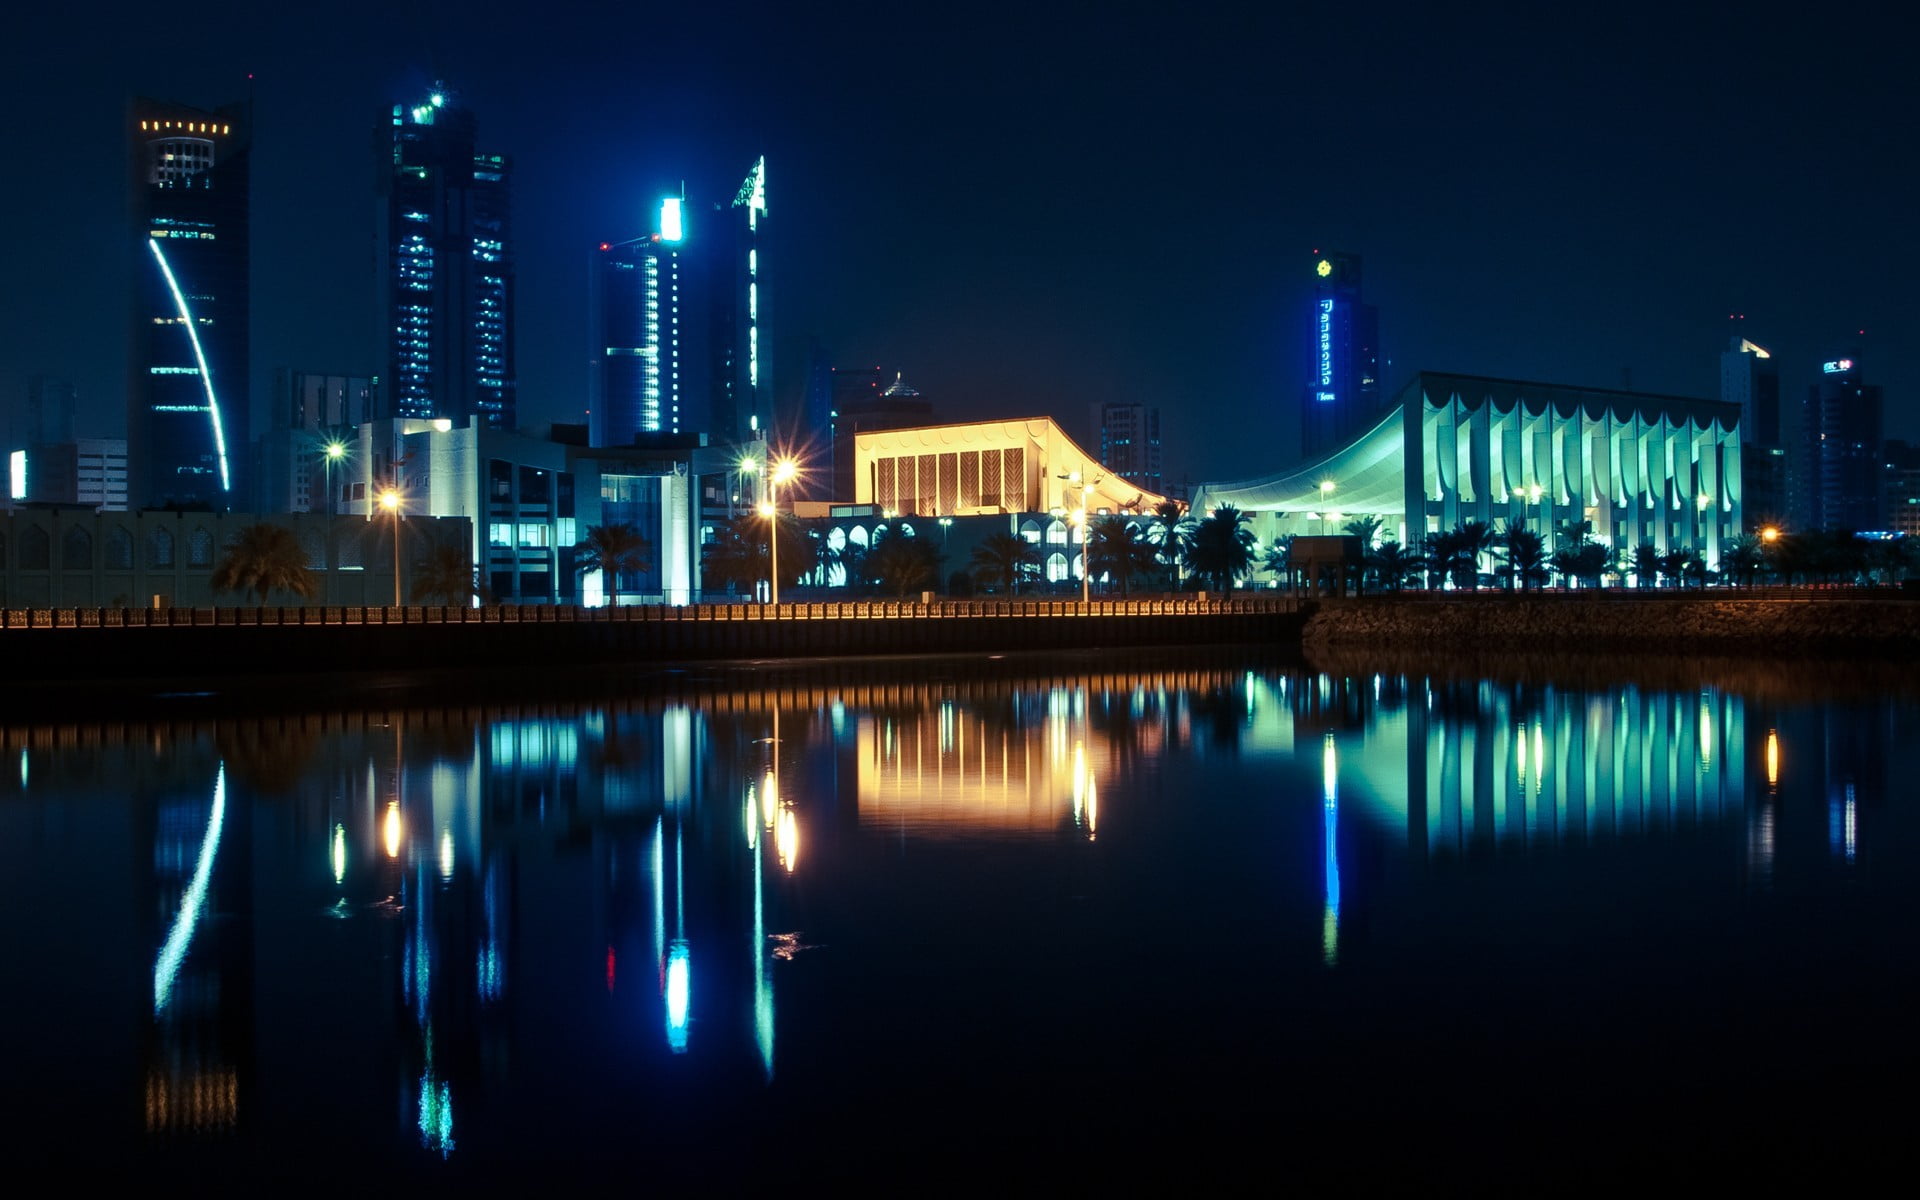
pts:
[1086, 917]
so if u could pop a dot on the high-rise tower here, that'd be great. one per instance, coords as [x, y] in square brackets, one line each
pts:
[448, 265]
[739, 382]
[1130, 443]
[188, 402]
[1342, 399]
[635, 301]
[1750, 378]
[1844, 415]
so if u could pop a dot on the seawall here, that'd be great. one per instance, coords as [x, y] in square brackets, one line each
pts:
[178, 646]
[1682, 623]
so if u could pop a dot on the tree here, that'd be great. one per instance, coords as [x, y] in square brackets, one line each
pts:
[612, 550]
[1472, 541]
[446, 576]
[903, 563]
[1167, 535]
[1279, 557]
[1365, 527]
[1220, 549]
[1740, 559]
[1116, 548]
[731, 560]
[263, 558]
[1393, 564]
[1647, 565]
[1524, 553]
[1002, 560]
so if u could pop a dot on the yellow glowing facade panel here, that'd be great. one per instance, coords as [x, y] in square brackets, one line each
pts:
[987, 468]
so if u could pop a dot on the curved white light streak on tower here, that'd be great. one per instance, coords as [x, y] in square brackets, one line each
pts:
[199, 356]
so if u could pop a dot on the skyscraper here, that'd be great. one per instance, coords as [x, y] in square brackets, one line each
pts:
[1845, 461]
[188, 402]
[1750, 378]
[1342, 400]
[1130, 443]
[635, 299]
[449, 269]
[729, 243]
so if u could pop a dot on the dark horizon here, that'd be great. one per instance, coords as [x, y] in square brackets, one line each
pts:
[1035, 211]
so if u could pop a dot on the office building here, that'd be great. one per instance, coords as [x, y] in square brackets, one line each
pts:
[1130, 442]
[81, 472]
[1843, 420]
[189, 402]
[312, 410]
[635, 296]
[1342, 398]
[50, 404]
[1640, 468]
[448, 262]
[729, 240]
[1901, 489]
[1750, 378]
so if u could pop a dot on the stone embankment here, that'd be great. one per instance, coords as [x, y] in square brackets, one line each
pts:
[1693, 624]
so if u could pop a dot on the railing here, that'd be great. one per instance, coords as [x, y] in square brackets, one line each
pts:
[548, 614]
[1803, 593]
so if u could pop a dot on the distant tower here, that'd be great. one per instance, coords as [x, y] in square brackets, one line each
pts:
[1130, 443]
[1844, 417]
[189, 401]
[1342, 398]
[449, 269]
[1750, 378]
[862, 405]
[636, 306]
[50, 404]
[728, 242]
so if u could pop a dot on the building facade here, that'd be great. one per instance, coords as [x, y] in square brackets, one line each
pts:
[84, 473]
[1843, 420]
[312, 411]
[1343, 397]
[635, 299]
[1750, 378]
[1635, 467]
[61, 558]
[188, 401]
[987, 468]
[448, 263]
[1130, 442]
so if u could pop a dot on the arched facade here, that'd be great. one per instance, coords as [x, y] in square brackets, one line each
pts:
[1641, 468]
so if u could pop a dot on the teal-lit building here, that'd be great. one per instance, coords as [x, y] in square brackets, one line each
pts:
[1639, 467]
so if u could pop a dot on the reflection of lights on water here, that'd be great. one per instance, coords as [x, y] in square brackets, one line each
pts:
[753, 819]
[786, 838]
[678, 987]
[1852, 827]
[769, 798]
[1330, 821]
[436, 1115]
[339, 854]
[180, 937]
[1773, 757]
[446, 854]
[1539, 755]
[1520, 752]
[391, 829]
[1093, 808]
[1706, 734]
[23, 768]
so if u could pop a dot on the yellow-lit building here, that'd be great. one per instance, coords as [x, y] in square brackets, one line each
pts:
[986, 468]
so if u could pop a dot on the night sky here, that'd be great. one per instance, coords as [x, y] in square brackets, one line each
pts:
[1034, 208]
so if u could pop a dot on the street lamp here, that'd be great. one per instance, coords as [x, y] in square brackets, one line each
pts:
[1079, 517]
[784, 472]
[390, 500]
[946, 523]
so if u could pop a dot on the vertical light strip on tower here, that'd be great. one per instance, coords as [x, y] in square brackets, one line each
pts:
[206, 376]
[753, 194]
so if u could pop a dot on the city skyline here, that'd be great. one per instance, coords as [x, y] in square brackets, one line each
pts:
[969, 219]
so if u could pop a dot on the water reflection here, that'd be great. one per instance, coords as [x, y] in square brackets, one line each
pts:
[445, 881]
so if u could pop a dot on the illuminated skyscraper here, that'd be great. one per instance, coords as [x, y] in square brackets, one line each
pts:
[1342, 399]
[1844, 463]
[449, 269]
[636, 298]
[188, 400]
[729, 239]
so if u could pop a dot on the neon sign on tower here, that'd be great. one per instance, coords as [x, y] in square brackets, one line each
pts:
[1325, 394]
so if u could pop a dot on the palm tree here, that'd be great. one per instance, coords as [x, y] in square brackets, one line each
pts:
[1366, 528]
[446, 576]
[263, 558]
[903, 563]
[1279, 557]
[613, 550]
[1220, 549]
[1002, 560]
[1525, 554]
[1740, 559]
[1167, 535]
[1647, 564]
[1394, 564]
[1473, 540]
[1116, 548]
[732, 559]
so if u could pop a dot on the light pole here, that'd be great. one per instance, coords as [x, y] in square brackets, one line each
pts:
[1326, 491]
[946, 523]
[390, 500]
[1079, 517]
[333, 452]
[784, 471]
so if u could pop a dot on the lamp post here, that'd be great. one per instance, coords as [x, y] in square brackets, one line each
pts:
[332, 453]
[390, 500]
[946, 523]
[1079, 517]
[784, 472]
